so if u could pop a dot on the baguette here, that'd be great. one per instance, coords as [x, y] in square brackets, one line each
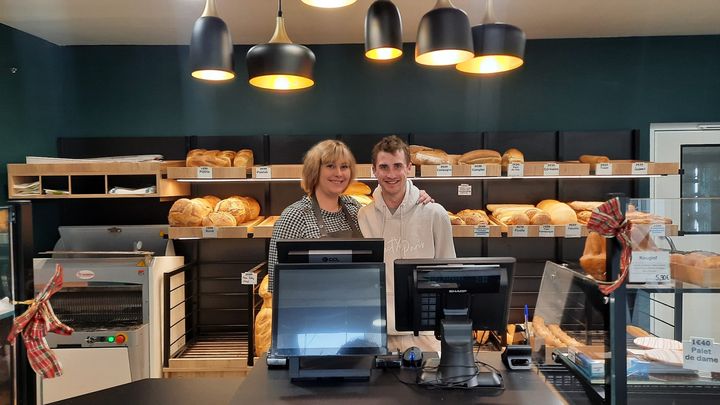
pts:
[430, 157]
[480, 156]
[494, 207]
[413, 149]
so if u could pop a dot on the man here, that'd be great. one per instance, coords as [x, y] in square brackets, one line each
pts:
[410, 230]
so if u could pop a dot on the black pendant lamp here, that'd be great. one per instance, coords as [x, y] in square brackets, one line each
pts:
[280, 64]
[211, 48]
[329, 3]
[498, 47]
[443, 36]
[383, 31]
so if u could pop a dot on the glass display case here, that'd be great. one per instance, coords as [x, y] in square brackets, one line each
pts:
[661, 321]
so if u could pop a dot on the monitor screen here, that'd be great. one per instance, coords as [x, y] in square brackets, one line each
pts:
[330, 250]
[424, 287]
[329, 310]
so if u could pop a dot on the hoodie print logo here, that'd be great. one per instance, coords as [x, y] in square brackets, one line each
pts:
[403, 246]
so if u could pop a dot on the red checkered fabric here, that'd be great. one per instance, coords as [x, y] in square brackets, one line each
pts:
[35, 324]
[608, 221]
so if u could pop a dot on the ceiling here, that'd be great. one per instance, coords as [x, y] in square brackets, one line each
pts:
[169, 22]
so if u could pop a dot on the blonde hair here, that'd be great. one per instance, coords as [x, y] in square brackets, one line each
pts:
[328, 151]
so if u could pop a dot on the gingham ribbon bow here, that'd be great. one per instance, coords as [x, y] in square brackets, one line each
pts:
[35, 324]
[608, 221]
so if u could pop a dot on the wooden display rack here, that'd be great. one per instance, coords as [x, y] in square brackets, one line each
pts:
[214, 232]
[264, 229]
[207, 172]
[633, 167]
[476, 231]
[364, 171]
[94, 180]
[479, 170]
[277, 172]
[540, 169]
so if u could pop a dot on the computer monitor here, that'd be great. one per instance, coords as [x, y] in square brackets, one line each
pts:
[453, 297]
[330, 250]
[324, 313]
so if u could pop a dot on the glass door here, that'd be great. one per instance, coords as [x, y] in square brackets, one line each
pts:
[700, 182]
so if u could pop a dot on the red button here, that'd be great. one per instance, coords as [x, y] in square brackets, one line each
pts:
[120, 339]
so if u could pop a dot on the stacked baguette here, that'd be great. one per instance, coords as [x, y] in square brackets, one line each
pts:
[519, 214]
[218, 158]
[553, 334]
[424, 155]
[212, 211]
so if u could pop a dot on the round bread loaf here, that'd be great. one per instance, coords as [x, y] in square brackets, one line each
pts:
[236, 207]
[212, 200]
[560, 213]
[175, 215]
[186, 212]
[357, 187]
[538, 216]
[512, 155]
[244, 158]
[253, 208]
[480, 156]
[219, 219]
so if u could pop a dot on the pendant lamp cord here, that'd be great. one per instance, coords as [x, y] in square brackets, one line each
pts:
[279, 8]
[489, 13]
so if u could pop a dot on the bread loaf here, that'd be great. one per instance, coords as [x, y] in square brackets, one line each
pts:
[513, 218]
[495, 207]
[243, 158]
[594, 159]
[413, 149]
[186, 212]
[219, 219]
[263, 320]
[710, 263]
[209, 158]
[594, 256]
[234, 206]
[212, 200]
[480, 156]
[584, 205]
[474, 217]
[357, 187]
[453, 159]
[512, 155]
[560, 213]
[3, 221]
[362, 199]
[430, 157]
[454, 219]
[584, 217]
[253, 208]
[538, 216]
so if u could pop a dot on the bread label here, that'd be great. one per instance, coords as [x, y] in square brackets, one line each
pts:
[573, 230]
[657, 230]
[443, 170]
[701, 354]
[547, 231]
[603, 169]
[464, 189]
[204, 172]
[640, 168]
[263, 172]
[481, 231]
[551, 169]
[516, 170]
[478, 170]
[249, 278]
[518, 231]
[650, 267]
[209, 232]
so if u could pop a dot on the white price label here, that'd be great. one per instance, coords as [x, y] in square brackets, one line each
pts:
[551, 169]
[516, 170]
[547, 231]
[263, 172]
[701, 354]
[478, 170]
[464, 189]
[209, 232]
[249, 278]
[650, 267]
[204, 172]
[481, 231]
[657, 230]
[640, 168]
[518, 231]
[443, 170]
[603, 169]
[573, 230]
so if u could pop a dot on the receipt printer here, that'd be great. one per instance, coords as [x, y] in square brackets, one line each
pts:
[517, 357]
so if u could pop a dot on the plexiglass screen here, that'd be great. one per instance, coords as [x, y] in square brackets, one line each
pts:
[700, 182]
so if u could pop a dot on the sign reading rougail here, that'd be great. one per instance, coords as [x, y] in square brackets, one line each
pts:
[249, 278]
[650, 267]
[478, 170]
[516, 170]
[701, 354]
[443, 170]
[204, 172]
[464, 189]
[209, 232]
[603, 169]
[263, 172]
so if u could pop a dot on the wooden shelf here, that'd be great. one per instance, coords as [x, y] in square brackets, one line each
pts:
[241, 231]
[207, 172]
[95, 180]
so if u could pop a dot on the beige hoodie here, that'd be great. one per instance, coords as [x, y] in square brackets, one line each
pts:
[414, 231]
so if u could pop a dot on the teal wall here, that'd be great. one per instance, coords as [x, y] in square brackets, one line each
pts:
[575, 84]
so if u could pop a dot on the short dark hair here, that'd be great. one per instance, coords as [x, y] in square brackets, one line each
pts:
[390, 144]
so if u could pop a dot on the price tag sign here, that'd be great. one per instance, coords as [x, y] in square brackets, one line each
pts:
[516, 170]
[657, 230]
[481, 231]
[443, 170]
[551, 169]
[464, 189]
[640, 168]
[249, 278]
[209, 232]
[547, 231]
[573, 230]
[204, 172]
[603, 169]
[263, 172]
[519, 231]
[650, 267]
[701, 354]
[478, 170]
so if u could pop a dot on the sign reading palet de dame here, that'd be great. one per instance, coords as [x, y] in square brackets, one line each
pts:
[701, 354]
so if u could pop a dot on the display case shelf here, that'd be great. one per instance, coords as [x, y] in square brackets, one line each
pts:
[241, 231]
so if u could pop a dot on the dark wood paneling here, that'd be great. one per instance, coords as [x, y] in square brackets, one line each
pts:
[454, 143]
[290, 149]
[536, 146]
[171, 147]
